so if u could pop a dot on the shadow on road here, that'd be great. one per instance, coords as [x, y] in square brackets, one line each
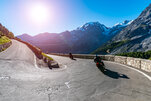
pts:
[74, 59]
[114, 75]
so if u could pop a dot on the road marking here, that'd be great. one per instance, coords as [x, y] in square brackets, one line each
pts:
[65, 66]
[67, 84]
[61, 69]
[135, 70]
[4, 77]
[35, 62]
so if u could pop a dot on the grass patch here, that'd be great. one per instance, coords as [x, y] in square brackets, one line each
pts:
[4, 40]
[45, 55]
[3, 49]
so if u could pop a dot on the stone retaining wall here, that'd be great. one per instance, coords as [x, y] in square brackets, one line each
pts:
[109, 57]
[4, 46]
[134, 62]
[146, 65]
[120, 59]
[143, 64]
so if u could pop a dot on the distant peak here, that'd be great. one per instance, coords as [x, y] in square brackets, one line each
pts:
[25, 34]
[89, 24]
[124, 23]
[92, 23]
[149, 7]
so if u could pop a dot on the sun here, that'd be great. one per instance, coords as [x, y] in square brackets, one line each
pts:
[39, 13]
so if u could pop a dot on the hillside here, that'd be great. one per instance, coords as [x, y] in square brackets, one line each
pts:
[5, 36]
[5, 32]
[137, 36]
[4, 39]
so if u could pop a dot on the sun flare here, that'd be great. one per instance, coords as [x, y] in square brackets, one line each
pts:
[39, 13]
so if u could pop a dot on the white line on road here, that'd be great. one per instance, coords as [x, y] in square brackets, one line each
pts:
[61, 69]
[135, 70]
[4, 77]
[35, 62]
[67, 84]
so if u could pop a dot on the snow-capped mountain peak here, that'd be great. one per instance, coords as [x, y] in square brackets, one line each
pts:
[124, 23]
[91, 25]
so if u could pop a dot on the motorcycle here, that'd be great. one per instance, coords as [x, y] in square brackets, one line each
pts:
[101, 66]
[71, 56]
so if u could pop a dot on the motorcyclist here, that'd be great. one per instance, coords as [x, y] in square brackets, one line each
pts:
[70, 55]
[98, 59]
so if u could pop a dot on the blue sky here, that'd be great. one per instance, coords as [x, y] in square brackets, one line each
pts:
[67, 14]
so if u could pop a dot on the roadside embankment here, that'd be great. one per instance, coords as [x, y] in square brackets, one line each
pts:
[142, 64]
[5, 42]
[36, 50]
[50, 61]
[47, 61]
[4, 46]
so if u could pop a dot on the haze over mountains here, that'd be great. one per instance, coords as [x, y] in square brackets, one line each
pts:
[128, 36]
[84, 39]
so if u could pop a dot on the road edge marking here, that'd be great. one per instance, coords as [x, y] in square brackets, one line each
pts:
[67, 84]
[60, 69]
[149, 77]
[35, 62]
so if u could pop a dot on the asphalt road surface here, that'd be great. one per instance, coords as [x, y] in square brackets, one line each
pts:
[76, 80]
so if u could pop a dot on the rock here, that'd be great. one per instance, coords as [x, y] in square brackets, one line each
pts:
[52, 64]
[45, 59]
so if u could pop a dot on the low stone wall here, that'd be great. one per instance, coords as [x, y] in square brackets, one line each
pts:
[108, 57]
[146, 65]
[84, 56]
[134, 62]
[120, 59]
[4, 46]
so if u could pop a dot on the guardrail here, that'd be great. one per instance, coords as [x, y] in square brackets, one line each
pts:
[134, 62]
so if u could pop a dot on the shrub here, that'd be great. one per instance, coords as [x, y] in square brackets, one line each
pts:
[143, 55]
[45, 55]
[4, 39]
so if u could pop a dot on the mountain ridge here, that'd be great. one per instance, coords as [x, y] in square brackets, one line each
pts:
[137, 34]
[83, 39]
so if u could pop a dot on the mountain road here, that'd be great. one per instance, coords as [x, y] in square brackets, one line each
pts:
[75, 80]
